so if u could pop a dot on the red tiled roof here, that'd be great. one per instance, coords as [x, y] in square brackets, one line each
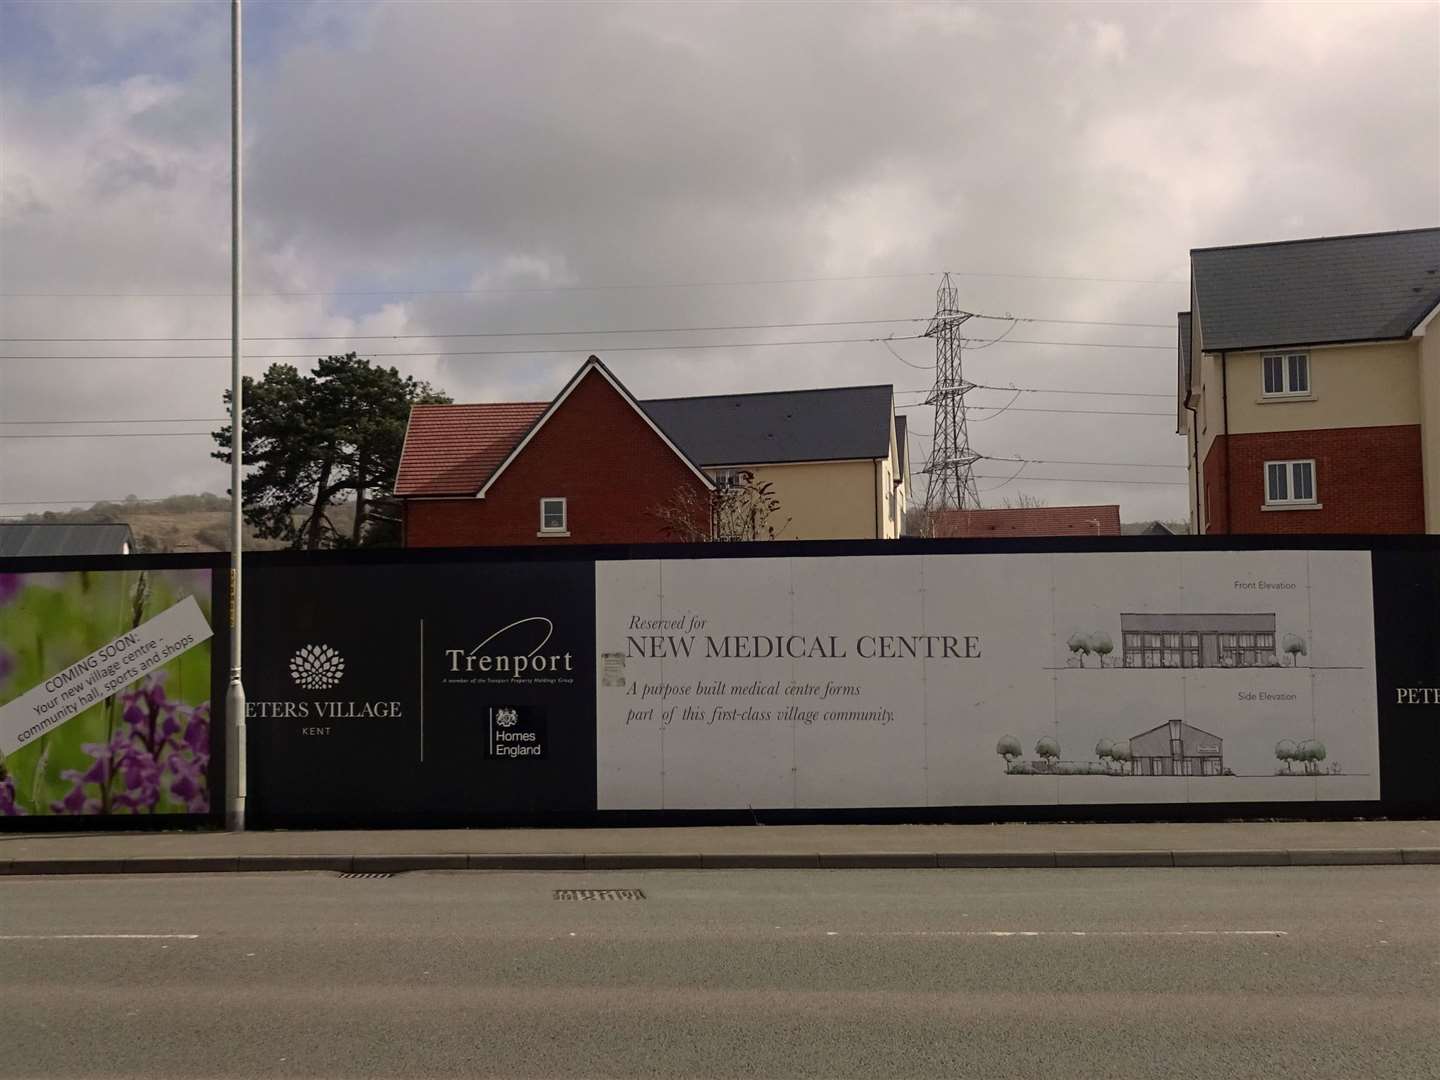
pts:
[453, 449]
[1030, 521]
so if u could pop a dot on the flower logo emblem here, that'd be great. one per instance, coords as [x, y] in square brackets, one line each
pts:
[317, 667]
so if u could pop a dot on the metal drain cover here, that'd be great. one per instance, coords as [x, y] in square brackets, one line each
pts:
[363, 877]
[599, 894]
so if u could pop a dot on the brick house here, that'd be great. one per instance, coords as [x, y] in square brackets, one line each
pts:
[593, 465]
[1308, 385]
[1098, 520]
[581, 469]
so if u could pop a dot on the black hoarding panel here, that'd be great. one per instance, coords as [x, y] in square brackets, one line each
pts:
[420, 693]
[1407, 675]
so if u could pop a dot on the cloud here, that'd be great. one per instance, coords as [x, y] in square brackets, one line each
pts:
[503, 160]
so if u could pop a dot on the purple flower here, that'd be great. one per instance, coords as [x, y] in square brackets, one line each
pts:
[140, 773]
[76, 802]
[9, 587]
[197, 732]
[8, 805]
[189, 783]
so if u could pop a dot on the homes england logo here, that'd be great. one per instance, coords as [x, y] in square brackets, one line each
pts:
[317, 667]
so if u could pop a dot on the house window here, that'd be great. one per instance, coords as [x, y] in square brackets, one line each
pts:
[1289, 482]
[553, 518]
[1286, 373]
[728, 477]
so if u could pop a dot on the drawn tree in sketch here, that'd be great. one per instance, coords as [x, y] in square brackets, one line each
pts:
[1285, 750]
[1101, 645]
[1079, 644]
[1047, 749]
[1294, 644]
[1009, 748]
[1105, 751]
[1311, 752]
[1120, 753]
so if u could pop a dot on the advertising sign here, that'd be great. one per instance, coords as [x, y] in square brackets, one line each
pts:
[514, 688]
[986, 680]
[443, 691]
[105, 690]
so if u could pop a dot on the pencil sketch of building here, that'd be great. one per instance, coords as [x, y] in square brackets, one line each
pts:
[1201, 640]
[1176, 748]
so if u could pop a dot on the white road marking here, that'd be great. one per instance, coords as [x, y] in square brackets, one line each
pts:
[98, 937]
[1067, 933]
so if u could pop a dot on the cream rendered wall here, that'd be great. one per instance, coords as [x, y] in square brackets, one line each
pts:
[823, 500]
[1429, 350]
[1352, 386]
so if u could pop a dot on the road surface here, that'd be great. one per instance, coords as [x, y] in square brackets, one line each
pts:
[1224, 973]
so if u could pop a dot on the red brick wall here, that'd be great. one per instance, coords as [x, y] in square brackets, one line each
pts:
[1367, 480]
[596, 453]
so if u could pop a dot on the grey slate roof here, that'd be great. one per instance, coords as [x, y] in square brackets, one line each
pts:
[1183, 322]
[41, 539]
[1371, 287]
[786, 425]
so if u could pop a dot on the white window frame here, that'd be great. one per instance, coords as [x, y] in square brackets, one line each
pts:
[1289, 500]
[727, 477]
[564, 527]
[1288, 389]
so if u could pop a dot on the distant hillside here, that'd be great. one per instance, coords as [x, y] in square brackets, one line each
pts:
[179, 523]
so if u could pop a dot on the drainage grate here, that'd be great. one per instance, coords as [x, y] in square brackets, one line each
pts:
[599, 894]
[363, 877]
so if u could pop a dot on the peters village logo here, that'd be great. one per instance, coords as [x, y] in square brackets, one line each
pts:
[317, 667]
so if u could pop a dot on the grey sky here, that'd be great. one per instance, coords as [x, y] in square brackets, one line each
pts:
[552, 147]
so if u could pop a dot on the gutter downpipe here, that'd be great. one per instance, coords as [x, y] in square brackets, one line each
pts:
[1225, 411]
[879, 499]
[1199, 485]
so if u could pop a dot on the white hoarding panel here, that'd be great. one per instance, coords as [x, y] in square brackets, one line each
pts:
[985, 680]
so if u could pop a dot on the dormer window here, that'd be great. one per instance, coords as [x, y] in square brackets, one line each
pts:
[1286, 374]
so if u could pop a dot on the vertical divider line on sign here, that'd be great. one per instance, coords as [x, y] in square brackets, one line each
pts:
[422, 691]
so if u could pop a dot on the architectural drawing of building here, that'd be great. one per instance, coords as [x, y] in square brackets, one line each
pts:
[1175, 748]
[1200, 640]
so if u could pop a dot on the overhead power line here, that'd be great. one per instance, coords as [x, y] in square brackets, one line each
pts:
[109, 435]
[1087, 393]
[132, 420]
[444, 335]
[608, 349]
[484, 333]
[626, 285]
[1094, 481]
[480, 352]
[1076, 412]
[1054, 461]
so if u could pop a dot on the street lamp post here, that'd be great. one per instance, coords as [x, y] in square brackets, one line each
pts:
[235, 695]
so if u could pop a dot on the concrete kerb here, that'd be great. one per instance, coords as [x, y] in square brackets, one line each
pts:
[989, 860]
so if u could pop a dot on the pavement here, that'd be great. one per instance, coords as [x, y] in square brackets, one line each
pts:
[1241, 973]
[1265, 843]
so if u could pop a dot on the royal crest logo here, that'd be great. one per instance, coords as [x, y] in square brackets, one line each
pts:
[507, 718]
[317, 667]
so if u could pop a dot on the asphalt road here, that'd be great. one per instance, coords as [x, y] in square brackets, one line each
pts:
[1224, 973]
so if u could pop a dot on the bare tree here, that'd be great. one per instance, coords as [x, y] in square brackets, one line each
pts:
[740, 508]
[1022, 501]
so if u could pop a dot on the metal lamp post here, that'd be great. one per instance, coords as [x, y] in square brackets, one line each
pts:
[235, 696]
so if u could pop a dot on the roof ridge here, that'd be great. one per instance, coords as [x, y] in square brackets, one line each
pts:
[771, 393]
[1318, 239]
[473, 404]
